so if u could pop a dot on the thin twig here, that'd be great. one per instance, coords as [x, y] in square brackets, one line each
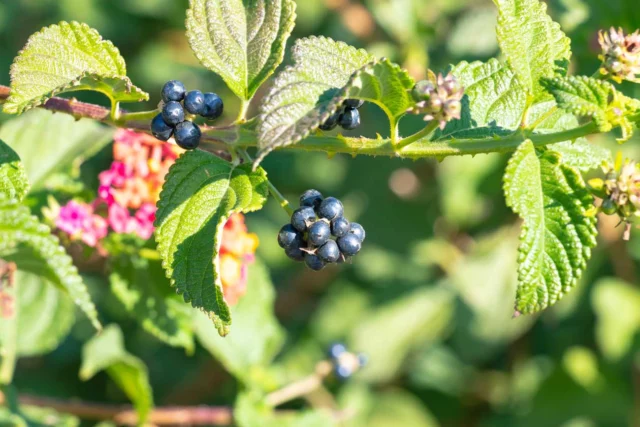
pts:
[302, 387]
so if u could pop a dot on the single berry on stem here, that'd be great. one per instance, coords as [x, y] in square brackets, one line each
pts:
[357, 230]
[349, 119]
[173, 113]
[160, 129]
[194, 102]
[331, 122]
[302, 218]
[188, 135]
[340, 226]
[353, 103]
[289, 236]
[311, 198]
[214, 107]
[295, 252]
[173, 91]
[314, 262]
[329, 252]
[330, 208]
[349, 245]
[319, 233]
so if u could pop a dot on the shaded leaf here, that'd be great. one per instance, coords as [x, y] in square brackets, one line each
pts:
[250, 411]
[14, 183]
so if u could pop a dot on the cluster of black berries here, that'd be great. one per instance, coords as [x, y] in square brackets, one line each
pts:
[345, 363]
[348, 116]
[172, 120]
[308, 237]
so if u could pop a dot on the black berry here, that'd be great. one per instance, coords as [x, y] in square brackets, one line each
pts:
[342, 372]
[173, 91]
[349, 245]
[330, 208]
[329, 252]
[331, 122]
[214, 106]
[349, 119]
[289, 236]
[353, 103]
[173, 113]
[194, 102]
[319, 233]
[311, 198]
[295, 253]
[314, 262]
[340, 226]
[336, 350]
[302, 218]
[187, 135]
[160, 129]
[357, 230]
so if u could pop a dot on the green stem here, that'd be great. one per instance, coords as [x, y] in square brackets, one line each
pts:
[424, 133]
[242, 114]
[542, 118]
[141, 116]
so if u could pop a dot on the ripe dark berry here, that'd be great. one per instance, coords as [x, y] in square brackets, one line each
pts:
[194, 102]
[289, 236]
[342, 372]
[331, 122]
[319, 233]
[349, 245]
[329, 252]
[311, 198]
[349, 119]
[160, 129]
[188, 135]
[173, 113]
[295, 252]
[336, 350]
[330, 208]
[302, 218]
[173, 91]
[340, 226]
[357, 230]
[353, 103]
[314, 262]
[214, 106]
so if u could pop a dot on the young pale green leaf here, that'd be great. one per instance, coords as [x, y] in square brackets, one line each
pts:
[533, 44]
[241, 40]
[557, 235]
[30, 244]
[48, 142]
[43, 316]
[245, 351]
[68, 57]
[493, 103]
[200, 193]
[106, 352]
[301, 97]
[142, 288]
[14, 183]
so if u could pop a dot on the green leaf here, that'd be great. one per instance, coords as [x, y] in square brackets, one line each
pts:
[241, 40]
[48, 142]
[43, 316]
[533, 44]
[250, 410]
[245, 353]
[618, 320]
[143, 289]
[301, 96]
[14, 183]
[557, 236]
[200, 193]
[68, 57]
[106, 352]
[30, 244]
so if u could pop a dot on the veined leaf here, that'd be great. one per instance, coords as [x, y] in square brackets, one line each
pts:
[241, 40]
[68, 57]
[557, 235]
[14, 183]
[534, 45]
[301, 97]
[200, 193]
[142, 288]
[245, 352]
[48, 142]
[106, 352]
[30, 244]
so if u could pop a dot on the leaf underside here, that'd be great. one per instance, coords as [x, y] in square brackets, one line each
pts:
[68, 57]
[557, 236]
[200, 193]
[241, 40]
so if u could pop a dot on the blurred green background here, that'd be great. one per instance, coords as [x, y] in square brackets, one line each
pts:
[430, 298]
